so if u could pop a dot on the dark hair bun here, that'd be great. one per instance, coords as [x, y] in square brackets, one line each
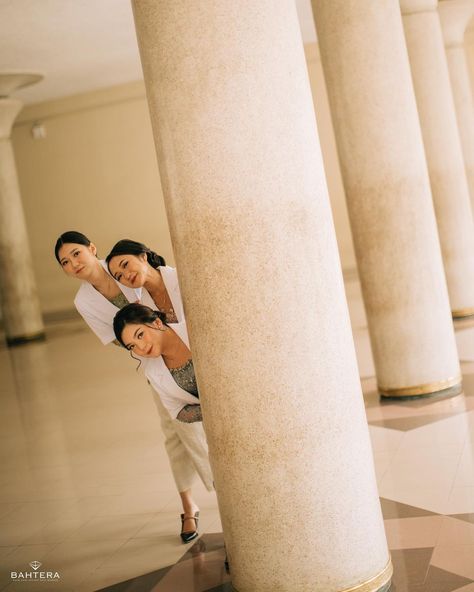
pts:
[154, 259]
[131, 247]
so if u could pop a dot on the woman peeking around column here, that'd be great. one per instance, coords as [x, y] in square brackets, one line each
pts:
[136, 266]
[169, 366]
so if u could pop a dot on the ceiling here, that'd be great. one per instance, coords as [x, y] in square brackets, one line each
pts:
[79, 45]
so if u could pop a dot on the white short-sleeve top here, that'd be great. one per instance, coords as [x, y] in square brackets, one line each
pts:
[97, 311]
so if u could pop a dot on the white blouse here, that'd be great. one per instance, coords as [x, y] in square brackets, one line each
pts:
[97, 311]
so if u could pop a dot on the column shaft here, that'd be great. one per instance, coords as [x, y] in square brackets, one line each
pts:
[455, 16]
[254, 242]
[19, 299]
[461, 85]
[443, 150]
[389, 200]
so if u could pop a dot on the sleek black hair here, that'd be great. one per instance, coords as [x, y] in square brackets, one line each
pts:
[71, 236]
[127, 246]
[135, 314]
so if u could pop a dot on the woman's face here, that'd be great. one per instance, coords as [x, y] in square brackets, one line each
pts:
[129, 270]
[144, 340]
[78, 261]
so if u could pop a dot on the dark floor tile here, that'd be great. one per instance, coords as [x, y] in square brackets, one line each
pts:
[465, 517]
[468, 384]
[439, 580]
[222, 588]
[405, 424]
[412, 572]
[206, 544]
[392, 509]
[410, 567]
[433, 587]
[144, 583]
[371, 396]
[199, 574]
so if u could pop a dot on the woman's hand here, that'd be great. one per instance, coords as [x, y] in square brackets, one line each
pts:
[190, 414]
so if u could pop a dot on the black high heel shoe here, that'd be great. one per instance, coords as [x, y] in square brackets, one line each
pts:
[189, 535]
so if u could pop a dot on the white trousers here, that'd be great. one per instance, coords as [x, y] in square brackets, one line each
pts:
[186, 446]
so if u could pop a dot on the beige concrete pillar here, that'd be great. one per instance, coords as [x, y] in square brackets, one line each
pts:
[469, 49]
[455, 16]
[254, 242]
[443, 150]
[21, 313]
[386, 180]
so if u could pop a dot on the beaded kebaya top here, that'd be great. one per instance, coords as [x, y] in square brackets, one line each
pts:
[185, 378]
[120, 300]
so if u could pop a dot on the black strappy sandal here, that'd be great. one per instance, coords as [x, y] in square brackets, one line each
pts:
[189, 535]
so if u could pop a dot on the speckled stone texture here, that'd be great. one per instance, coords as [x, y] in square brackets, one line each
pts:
[387, 187]
[19, 299]
[443, 150]
[255, 246]
[455, 16]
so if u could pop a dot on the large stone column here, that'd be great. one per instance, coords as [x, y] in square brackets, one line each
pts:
[254, 242]
[21, 313]
[387, 187]
[455, 16]
[443, 150]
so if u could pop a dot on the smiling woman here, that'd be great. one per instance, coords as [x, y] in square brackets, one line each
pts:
[135, 265]
[169, 366]
[99, 295]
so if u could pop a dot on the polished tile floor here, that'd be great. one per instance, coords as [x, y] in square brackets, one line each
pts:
[87, 492]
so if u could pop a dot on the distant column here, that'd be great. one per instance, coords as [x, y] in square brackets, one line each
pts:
[443, 150]
[21, 312]
[455, 16]
[383, 164]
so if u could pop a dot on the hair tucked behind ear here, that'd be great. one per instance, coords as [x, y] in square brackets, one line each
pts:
[130, 247]
[135, 314]
[71, 236]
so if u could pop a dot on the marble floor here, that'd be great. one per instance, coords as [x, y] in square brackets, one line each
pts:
[86, 489]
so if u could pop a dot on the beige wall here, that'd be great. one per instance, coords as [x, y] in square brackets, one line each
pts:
[95, 171]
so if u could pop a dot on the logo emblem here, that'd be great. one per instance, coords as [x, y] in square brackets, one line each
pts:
[35, 565]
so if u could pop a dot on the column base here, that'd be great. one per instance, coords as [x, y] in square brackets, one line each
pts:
[379, 583]
[463, 313]
[443, 388]
[27, 338]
